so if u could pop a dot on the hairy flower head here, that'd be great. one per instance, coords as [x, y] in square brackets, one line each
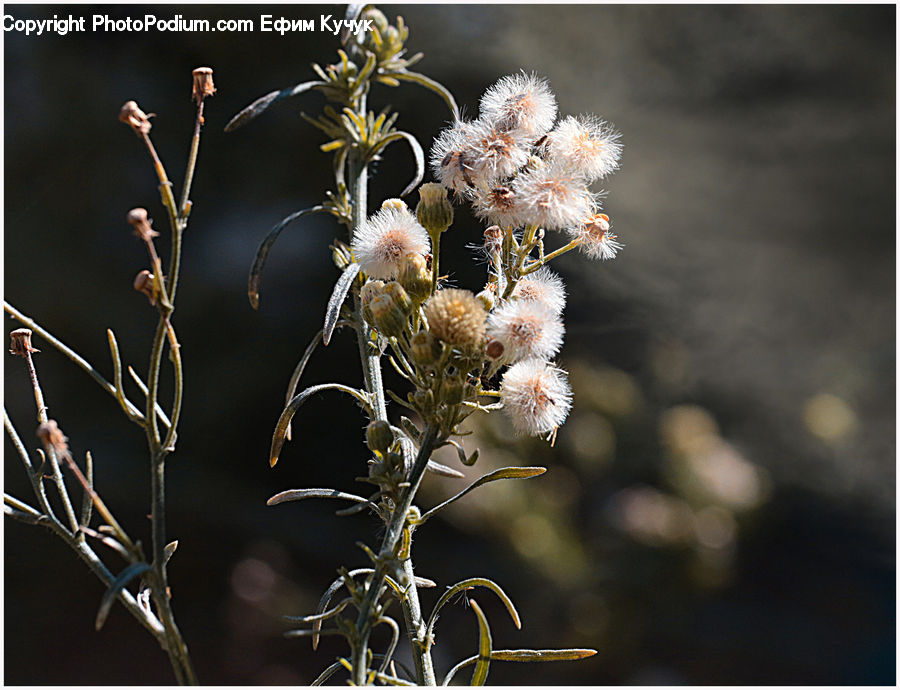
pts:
[525, 329]
[456, 317]
[542, 286]
[497, 206]
[552, 197]
[493, 154]
[536, 396]
[451, 156]
[587, 145]
[384, 239]
[521, 103]
[596, 238]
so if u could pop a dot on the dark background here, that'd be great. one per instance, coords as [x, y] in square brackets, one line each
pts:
[720, 507]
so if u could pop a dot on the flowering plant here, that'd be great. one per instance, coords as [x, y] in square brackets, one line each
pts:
[459, 351]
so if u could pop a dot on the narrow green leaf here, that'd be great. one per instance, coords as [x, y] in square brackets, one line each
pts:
[443, 470]
[431, 85]
[319, 617]
[417, 154]
[261, 104]
[503, 473]
[300, 494]
[171, 547]
[326, 598]
[115, 588]
[87, 503]
[479, 676]
[531, 655]
[262, 252]
[326, 674]
[281, 428]
[469, 584]
[338, 295]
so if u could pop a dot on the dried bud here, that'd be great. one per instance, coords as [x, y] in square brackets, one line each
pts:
[50, 433]
[135, 118]
[379, 436]
[495, 349]
[425, 349]
[493, 239]
[142, 224]
[203, 84]
[20, 342]
[487, 298]
[143, 282]
[435, 212]
[415, 277]
[456, 317]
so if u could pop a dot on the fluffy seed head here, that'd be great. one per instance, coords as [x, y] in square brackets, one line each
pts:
[451, 156]
[380, 243]
[525, 329]
[456, 317]
[544, 287]
[536, 396]
[597, 240]
[497, 206]
[587, 145]
[521, 103]
[493, 154]
[552, 197]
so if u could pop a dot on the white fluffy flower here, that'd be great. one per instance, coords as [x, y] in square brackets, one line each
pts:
[586, 144]
[525, 329]
[380, 243]
[596, 238]
[553, 197]
[544, 287]
[522, 103]
[498, 206]
[493, 154]
[450, 156]
[536, 396]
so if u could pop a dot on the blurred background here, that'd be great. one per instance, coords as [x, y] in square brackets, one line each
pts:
[720, 506]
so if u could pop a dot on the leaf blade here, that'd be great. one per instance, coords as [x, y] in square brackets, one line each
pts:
[338, 295]
[502, 473]
[261, 104]
[117, 585]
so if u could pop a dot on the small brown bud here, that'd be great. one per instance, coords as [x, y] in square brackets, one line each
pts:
[379, 436]
[50, 433]
[135, 118]
[20, 342]
[203, 84]
[493, 239]
[143, 282]
[495, 349]
[142, 224]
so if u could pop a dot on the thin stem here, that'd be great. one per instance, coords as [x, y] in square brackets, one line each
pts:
[412, 614]
[435, 260]
[191, 164]
[531, 268]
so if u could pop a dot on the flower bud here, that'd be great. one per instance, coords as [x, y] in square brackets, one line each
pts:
[452, 392]
[395, 204]
[435, 212]
[20, 342]
[203, 84]
[456, 317]
[425, 349]
[135, 118]
[387, 317]
[415, 277]
[370, 291]
[495, 349]
[379, 436]
[487, 298]
[138, 218]
[401, 300]
[143, 282]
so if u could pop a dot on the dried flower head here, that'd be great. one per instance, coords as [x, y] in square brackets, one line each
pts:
[203, 84]
[20, 342]
[536, 396]
[553, 197]
[497, 205]
[451, 156]
[142, 224]
[588, 145]
[382, 241]
[522, 103]
[596, 238]
[135, 118]
[51, 435]
[542, 286]
[143, 282]
[525, 329]
[493, 154]
[456, 317]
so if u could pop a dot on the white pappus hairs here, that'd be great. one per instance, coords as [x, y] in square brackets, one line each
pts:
[536, 396]
[387, 236]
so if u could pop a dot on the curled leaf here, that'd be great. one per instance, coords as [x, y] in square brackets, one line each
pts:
[503, 473]
[115, 588]
[338, 295]
[479, 676]
[417, 153]
[262, 252]
[469, 584]
[300, 494]
[260, 105]
[281, 428]
[431, 85]
[443, 470]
